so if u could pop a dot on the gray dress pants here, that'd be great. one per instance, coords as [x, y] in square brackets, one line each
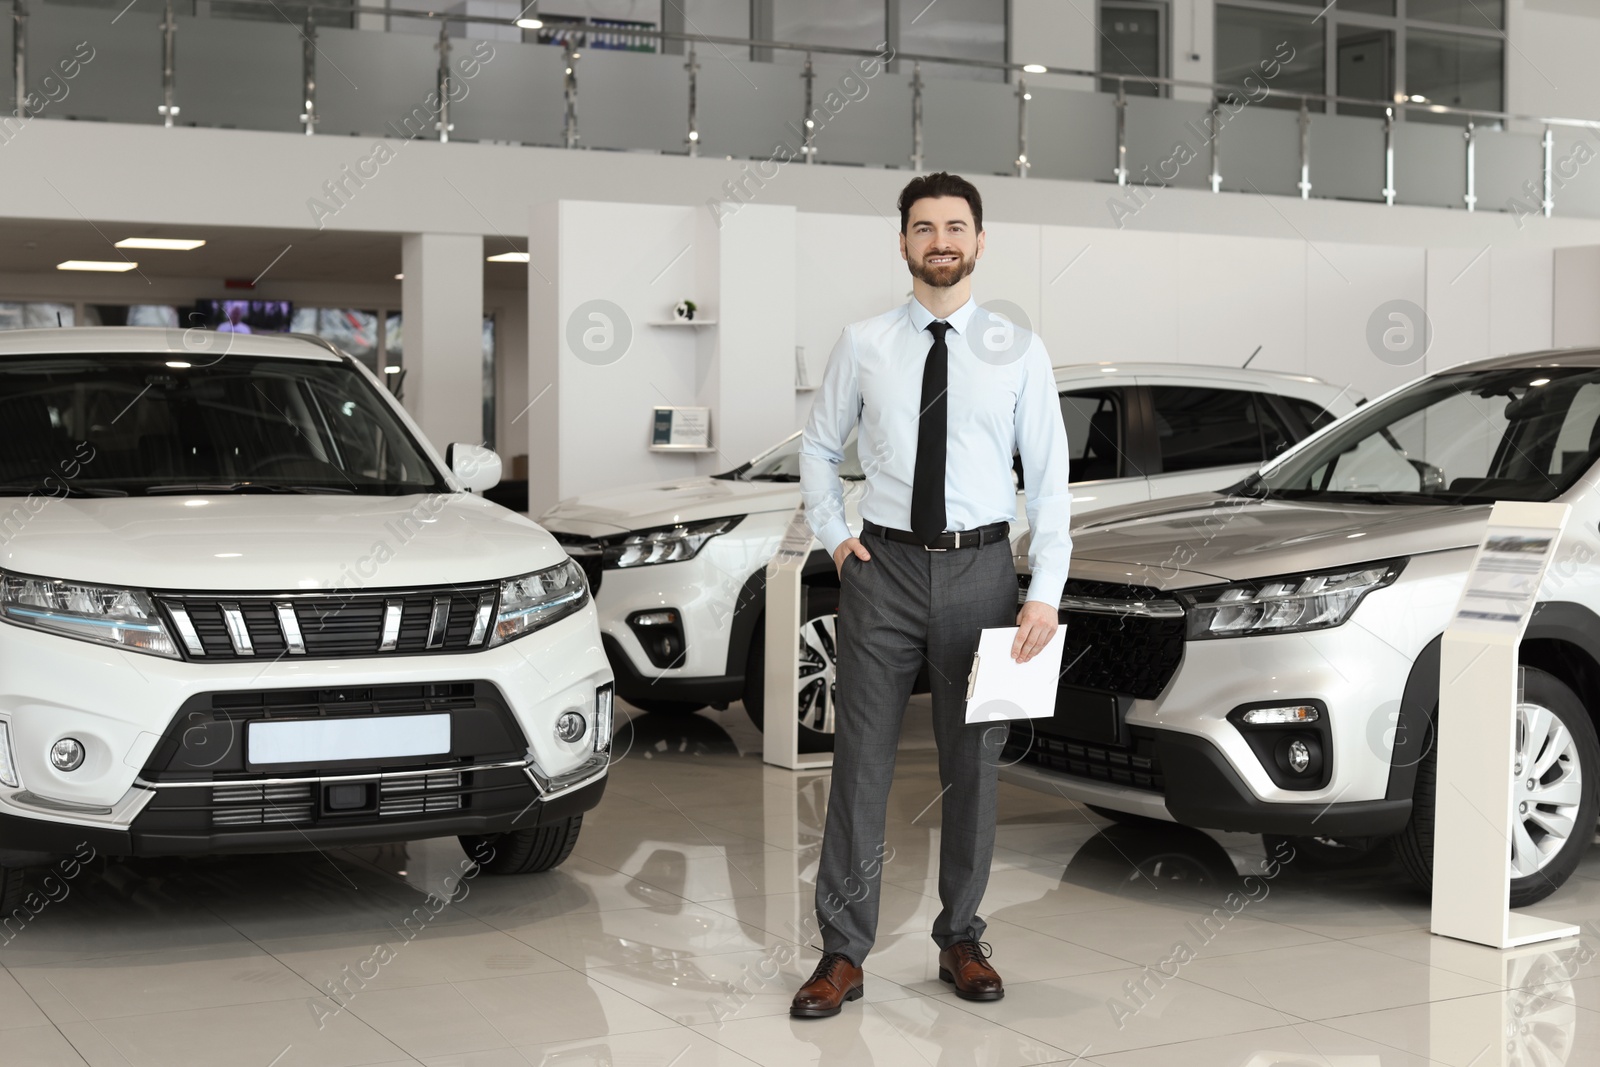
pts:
[904, 608]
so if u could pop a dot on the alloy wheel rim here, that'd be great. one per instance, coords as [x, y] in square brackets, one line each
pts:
[814, 682]
[1546, 792]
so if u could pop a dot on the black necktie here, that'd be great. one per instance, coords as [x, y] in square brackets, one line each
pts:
[927, 482]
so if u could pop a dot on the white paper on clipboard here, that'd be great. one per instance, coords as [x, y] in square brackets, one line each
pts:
[999, 688]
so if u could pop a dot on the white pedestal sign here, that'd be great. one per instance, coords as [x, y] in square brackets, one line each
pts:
[1477, 732]
[780, 727]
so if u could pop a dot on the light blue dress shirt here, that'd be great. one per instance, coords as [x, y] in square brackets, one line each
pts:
[999, 403]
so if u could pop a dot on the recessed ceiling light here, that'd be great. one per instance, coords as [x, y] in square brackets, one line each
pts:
[1034, 68]
[167, 244]
[530, 24]
[509, 257]
[116, 266]
[399, 277]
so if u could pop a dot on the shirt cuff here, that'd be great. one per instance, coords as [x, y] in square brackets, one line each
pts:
[1046, 588]
[833, 534]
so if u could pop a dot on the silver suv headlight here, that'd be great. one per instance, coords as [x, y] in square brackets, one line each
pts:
[534, 601]
[666, 544]
[1290, 604]
[106, 615]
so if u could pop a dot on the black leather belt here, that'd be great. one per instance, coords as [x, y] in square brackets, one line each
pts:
[983, 535]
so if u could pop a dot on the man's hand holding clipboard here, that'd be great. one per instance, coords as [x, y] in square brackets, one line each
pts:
[1000, 688]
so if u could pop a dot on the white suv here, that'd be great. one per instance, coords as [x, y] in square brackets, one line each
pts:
[245, 607]
[678, 568]
[1265, 659]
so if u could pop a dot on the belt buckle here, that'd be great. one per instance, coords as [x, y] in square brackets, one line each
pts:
[927, 548]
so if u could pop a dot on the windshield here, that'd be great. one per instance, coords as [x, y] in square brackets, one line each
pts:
[782, 464]
[1468, 438]
[113, 424]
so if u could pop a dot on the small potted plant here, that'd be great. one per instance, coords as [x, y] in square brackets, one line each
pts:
[684, 311]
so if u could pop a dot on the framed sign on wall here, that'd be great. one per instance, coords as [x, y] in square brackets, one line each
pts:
[675, 429]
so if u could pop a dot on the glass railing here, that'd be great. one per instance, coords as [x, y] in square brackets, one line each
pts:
[620, 87]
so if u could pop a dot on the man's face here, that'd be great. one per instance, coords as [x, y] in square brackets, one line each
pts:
[941, 245]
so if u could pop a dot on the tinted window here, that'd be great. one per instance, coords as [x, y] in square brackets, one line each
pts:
[1275, 432]
[1094, 433]
[1315, 416]
[1201, 428]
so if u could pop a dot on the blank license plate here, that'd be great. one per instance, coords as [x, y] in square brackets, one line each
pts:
[328, 740]
[1086, 715]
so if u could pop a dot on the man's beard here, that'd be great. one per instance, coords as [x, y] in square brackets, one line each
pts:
[942, 277]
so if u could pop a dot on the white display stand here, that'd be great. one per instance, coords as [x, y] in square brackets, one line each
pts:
[780, 727]
[1478, 731]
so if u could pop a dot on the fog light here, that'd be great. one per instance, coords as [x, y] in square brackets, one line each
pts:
[660, 634]
[8, 766]
[570, 726]
[602, 717]
[66, 754]
[1299, 756]
[1297, 713]
[655, 618]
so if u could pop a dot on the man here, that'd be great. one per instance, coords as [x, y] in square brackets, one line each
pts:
[943, 394]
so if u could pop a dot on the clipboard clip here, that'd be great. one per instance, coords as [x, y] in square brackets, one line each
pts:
[972, 676]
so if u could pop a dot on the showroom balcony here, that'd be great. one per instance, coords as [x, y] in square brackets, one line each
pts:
[582, 84]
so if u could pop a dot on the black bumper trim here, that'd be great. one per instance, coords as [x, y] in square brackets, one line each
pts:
[1204, 791]
[38, 837]
[631, 685]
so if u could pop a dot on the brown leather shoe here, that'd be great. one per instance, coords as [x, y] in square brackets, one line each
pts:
[835, 981]
[965, 965]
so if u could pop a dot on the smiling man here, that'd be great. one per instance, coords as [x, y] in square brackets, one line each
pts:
[943, 394]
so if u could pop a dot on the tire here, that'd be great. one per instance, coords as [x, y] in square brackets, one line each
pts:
[818, 661]
[1553, 710]
[1329, 853]
[530, 851]
[667, 707]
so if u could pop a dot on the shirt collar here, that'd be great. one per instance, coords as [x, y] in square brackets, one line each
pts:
[958, 319]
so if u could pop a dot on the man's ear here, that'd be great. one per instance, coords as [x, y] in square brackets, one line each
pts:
[903, 247]
[979, 253]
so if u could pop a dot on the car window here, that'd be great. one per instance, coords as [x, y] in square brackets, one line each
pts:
[782, 464]
[1275, 433]
[1471, 437]
[1094, 433]
[1315, 416]
[1201, 428]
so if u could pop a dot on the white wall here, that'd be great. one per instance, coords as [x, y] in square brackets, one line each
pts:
[1551, 70]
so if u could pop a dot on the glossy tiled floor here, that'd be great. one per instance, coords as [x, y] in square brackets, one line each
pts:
[668, 940]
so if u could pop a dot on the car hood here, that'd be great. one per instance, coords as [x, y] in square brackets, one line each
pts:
[278, 542]
[639, 507]
[1232, 538]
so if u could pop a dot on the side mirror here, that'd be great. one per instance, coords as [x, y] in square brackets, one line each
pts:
[476, 467]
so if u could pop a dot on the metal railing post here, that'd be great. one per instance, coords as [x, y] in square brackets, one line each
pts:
[1216, 154]
[1471, 199]
[308, 73]
[1388, 156]
[1549, 202]
[169, 62]
[1121, 171]
[19, 54]
[444, 125]
[1305, 149]
[693, 139]
[570, 130]
[809, 128]
[1023, 96]
[916, 117]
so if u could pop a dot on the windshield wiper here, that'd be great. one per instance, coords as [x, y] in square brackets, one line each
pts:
[773, 478]
[67, 489]
[243, 487]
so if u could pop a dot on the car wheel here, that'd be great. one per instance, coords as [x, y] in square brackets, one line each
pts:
[667, 707]
[524, 851]
[814, 684]
[1554, 823]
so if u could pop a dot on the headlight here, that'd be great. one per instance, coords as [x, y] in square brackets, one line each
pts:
[537, 600]
[1289, 604]
[666, 544]
[104, 614]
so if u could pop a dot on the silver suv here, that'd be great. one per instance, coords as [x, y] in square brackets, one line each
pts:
[1265, 659]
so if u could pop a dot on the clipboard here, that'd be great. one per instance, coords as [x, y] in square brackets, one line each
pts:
[1000, 689]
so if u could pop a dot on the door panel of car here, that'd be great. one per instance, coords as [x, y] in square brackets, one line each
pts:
[1207, 438]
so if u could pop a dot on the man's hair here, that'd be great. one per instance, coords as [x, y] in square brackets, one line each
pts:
[938, 184]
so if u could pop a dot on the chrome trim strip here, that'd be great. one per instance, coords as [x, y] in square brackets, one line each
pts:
[238, 632]
[289, 623]
[438, 621]
[1150, 609]
[325, 594]
[66, 807]
[480, 622]
[185, 627]
[586, 772]
[222, 783]
[391, 625]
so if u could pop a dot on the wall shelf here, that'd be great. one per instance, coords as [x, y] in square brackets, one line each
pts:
[690, 322]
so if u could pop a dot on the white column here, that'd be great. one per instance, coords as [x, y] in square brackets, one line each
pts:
[441, 299]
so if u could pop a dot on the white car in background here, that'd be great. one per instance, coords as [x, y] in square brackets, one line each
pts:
[678, 568]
